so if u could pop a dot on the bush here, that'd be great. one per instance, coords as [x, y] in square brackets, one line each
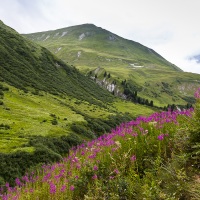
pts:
[54, 122]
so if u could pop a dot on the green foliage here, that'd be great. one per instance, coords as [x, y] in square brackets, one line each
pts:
[194, 142]
[26, 65]
[47, 150]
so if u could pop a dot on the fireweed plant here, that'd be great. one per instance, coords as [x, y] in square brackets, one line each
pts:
[137, 160]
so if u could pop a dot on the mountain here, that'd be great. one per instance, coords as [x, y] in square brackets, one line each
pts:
[94, 51]
[48, 106]
[90, 45]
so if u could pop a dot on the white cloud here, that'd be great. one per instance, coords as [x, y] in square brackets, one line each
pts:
[170, 27]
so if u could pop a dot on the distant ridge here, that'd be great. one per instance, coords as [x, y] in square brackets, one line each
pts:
[133, 67]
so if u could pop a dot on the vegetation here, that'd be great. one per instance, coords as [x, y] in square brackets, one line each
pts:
[44, 104]
[50, 112]
[26, 65]
[149, 157]
[153, 77]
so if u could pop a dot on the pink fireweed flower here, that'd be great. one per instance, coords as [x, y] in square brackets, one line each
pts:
[95, 168]
[134, 134]
[18, 182]
[78, 166]
[116, 171]
[63, 188]
[46, 177]
[133, 158]
[31, 190]
[52, 188]
[72, 187]
[94, 177]
[197, 94]
[161, 137]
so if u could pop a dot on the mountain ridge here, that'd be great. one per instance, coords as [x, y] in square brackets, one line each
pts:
[89, 47]
[89, 31]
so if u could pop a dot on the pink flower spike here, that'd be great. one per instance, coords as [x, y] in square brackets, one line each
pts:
[95, 168]
[72, 188]
[63, 188]
[116, 171]
[133, 158]
[161, 137]
[94, 177]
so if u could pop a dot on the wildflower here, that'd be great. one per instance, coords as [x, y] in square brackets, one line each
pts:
[94, 177]
[18, 182]
[63, 188]
[116, 171]
[52, 188]
[134, 134]
[26, 179]
[95, 168]
[161, 137]
[31, 190]
[133, 158]
[197, 94]
[46, 177]
[78, 166]
[72, 187]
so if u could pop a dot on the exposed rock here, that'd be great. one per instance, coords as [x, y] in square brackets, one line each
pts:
[56, 35]
[81, 36]
[39, 38]
[48, 36]
[58, 49]
[64, 33]
[112, 38]
[79, 54]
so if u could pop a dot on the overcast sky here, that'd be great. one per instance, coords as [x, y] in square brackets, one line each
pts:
[170, 27]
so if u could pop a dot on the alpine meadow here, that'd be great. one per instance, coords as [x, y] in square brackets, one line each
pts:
[87, 114]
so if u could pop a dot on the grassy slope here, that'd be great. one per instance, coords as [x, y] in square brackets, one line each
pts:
[107, 50]
[153, 157]
[36, 90]
[46, 88]
[29, 114]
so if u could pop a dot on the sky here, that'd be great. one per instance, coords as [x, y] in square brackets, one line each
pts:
[170, 27]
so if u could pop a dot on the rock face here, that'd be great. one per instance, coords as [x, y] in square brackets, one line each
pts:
[111, 87]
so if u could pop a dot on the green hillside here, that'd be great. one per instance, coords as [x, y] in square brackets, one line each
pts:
[47, 106]
[89, 47]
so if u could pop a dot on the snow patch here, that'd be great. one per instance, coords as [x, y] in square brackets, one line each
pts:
[81, 36]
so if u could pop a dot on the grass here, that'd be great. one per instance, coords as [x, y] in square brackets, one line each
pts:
[28, 114]
[146, 158]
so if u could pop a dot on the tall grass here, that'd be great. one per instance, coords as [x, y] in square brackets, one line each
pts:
[141, 159]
